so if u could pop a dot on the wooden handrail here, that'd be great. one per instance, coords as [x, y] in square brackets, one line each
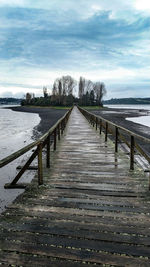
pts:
[40, 144]
[25, 149]
[142, 138]
[104, 123]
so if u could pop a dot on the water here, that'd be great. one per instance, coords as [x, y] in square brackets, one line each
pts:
[147, 107]
[143, 120]
[16, 130]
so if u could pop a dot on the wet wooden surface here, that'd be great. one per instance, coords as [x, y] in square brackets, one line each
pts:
[90, 211]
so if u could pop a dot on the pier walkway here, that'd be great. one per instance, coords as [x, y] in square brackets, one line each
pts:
[90, 211]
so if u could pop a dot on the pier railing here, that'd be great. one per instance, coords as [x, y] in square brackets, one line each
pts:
[45, 141]
[119, 133]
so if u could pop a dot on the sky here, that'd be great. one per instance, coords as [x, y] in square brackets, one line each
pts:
[101, 40]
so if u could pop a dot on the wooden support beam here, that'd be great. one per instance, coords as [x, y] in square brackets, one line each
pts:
[16, 186]
[40, 165]
[25, 167]
[55, 139]
[31, 168]
[132, 153]
[116, 139]
[100, 127]
[59, 132]
[106, 131]
[96, 123]
[48, 152]
[62, 128]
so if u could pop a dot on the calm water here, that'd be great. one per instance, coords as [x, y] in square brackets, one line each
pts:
[144, 120]
[16, 130]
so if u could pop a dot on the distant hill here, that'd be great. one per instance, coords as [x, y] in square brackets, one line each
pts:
[132, 101]
[10, 100]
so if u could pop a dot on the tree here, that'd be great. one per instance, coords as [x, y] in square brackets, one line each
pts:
[69, 84]
[92, 97]
[54, 89]
[100, 91]
[28, 98]
[81, 87]
[88, 86]
[62, 88]
[45, 91]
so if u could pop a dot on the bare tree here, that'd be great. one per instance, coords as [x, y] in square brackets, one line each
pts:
[45, 91]
[28, 97]
[81, 87]
[100, 91]
[54, 89]
[68, 84]
[63, 87]
[84, 86]
[88, 86]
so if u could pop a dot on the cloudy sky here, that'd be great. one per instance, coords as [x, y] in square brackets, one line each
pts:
[102, 40]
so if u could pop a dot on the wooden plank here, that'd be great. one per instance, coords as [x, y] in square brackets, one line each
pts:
[73, 254]
[74, 230]
[91, 210]
[24, 259]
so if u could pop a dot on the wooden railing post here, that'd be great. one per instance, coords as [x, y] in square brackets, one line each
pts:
[58, 131]
[40, 165]
[64, 123]
[100, 126]
[93, 119]
[48, 152]
[132, 153]
[116, 139]
[62, 128]
[106, 131]
[55, 139]
[96, 123]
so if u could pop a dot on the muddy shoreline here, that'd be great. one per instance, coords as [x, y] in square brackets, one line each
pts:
[48, 116]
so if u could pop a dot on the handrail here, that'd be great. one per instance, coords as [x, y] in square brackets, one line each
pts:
[104, 123]
[142, 138]
[40, 143]
[25, 149]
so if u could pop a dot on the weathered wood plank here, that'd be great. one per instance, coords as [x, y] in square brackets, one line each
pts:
[91, 210]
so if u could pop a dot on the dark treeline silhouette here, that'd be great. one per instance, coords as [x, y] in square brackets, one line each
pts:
[89, 93]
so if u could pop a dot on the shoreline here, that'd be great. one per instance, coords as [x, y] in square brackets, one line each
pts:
[48, 116]
[119, 116]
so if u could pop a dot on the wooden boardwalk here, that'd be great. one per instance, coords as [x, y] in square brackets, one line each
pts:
[90, 211]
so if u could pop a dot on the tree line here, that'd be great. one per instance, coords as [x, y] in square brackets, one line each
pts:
[66, 91]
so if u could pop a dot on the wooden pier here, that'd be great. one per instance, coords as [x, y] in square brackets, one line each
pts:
[91, 209]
